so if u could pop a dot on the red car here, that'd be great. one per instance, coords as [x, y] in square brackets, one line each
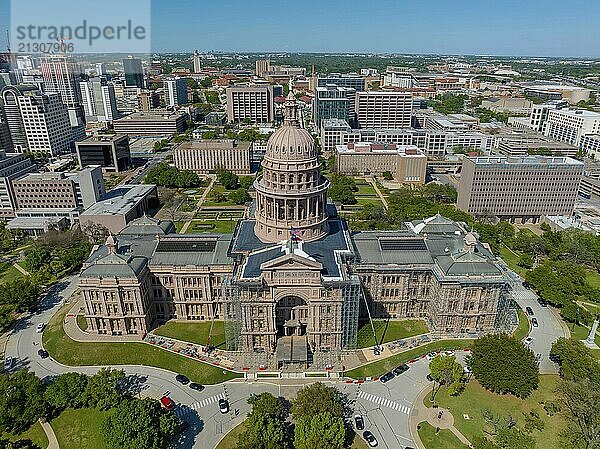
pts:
[167, 403]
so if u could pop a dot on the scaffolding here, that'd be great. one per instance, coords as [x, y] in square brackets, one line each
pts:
[351, 296]
[232, 311]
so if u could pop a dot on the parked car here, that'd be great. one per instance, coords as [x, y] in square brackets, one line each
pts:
[43, 353]
[9, 362]
[542, 302]
[387, 377]
[197, 387]
[370, 438]
[449, 353]
[429, 378]
[182, 379]
[534, 322]
[400, 369]
[529, 310]
[167, 403]
[40, 328]
[223, 406]
[359, 422]
[528, 341]
[431, 356]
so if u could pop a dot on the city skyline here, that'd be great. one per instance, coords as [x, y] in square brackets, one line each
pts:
[508, 29]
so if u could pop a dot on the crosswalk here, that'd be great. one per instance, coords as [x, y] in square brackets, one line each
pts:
[184, 410]
[384, 401]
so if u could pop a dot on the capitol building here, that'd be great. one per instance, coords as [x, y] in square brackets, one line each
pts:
[292, 279]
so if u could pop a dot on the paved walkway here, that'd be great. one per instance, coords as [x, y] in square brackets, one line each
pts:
[186, 225]
[437, 417]
[383, 200]
[49, 431]
[21, 269]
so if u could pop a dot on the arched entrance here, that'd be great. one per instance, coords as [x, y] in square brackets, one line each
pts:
[291, 316]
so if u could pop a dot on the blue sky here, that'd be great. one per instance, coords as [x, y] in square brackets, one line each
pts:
[501, 27]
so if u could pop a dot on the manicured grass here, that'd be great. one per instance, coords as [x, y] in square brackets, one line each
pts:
[475, 399]
[523, 327]
[445, 439]
[361, 201]
[581, 333]
[35, 433]
[77, 429]
[193, 331]
[511, 260]
[217, 188]
[390, 330]
[230, 440]
[365, 189]
[593, 278]
[382, 366]
[9, 273]
[82, 323]
[73, 353]
[212, 226]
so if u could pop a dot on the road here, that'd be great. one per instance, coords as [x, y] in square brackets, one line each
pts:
[140, 173]
[385, 407]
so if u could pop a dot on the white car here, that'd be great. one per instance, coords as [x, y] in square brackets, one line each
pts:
[40, 328]
[528, 341]
[431, 356]
[449, 353]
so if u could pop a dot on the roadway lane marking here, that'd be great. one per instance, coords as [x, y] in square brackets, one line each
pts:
[184, 410]
[384, 401]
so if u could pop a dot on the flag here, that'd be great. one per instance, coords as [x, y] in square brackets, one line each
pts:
[295, 235]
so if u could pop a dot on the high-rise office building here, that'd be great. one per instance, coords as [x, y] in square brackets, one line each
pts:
[46, 123]
[12, 115]
[99, 100]
[175, 91]
[61, 75]
[519, 188]
[253, 103]
[377, 109]
[197, 62]
[262, 66]
[333, 102]
[134, 74]
[101, 69]
[351, 80]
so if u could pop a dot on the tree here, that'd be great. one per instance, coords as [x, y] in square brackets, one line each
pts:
[342, 194]
[239, 196]
[445, 370]
[67, 391]
[576, 361]
[321, 431]
[37, 257]
[577, 315]
[103, 389]
[187, 179]
[21, 401]
[19, 444]
[139, 424]
[227, 179]
[246, 182]
[580, 402]
[504, 365]
[387, 175]
[265, 425]
[317, 398]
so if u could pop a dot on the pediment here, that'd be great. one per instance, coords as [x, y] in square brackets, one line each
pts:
[291, 262]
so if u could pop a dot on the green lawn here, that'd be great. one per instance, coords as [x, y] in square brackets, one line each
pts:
[523, 327]
[475, 399]
[382, 366]
[82, 323]
[212, 226]
[366, 189]
[35, 433]
[193, 331]
[511, 260]
[217, 188]
[390, 330]
[8, 272]
[581, 333]
[445, 439]
[70, 352]
[593, 278]
[77, 429]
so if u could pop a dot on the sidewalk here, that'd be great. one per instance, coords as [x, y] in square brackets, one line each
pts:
[186, 225]
[49, 431]
[421, 413]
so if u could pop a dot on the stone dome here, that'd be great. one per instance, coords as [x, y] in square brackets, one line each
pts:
[291, 142]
